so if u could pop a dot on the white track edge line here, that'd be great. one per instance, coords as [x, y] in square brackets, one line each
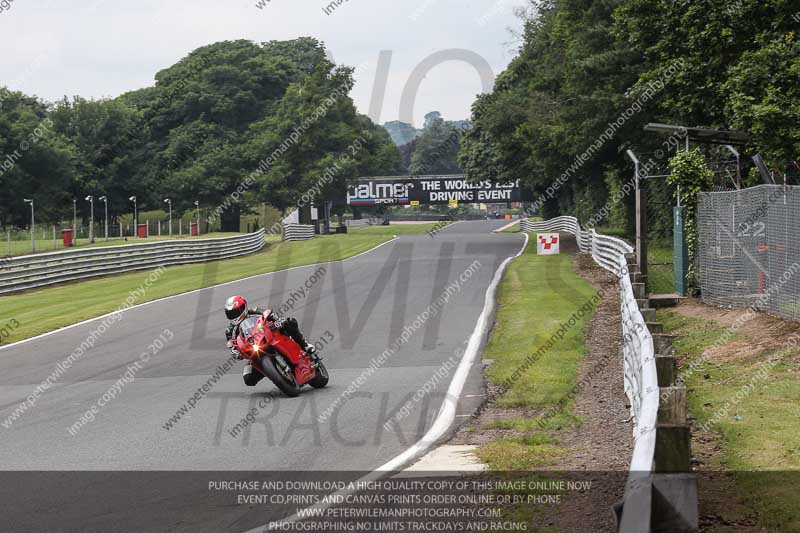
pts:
[512, 224]
[447, 411]
[90, 320]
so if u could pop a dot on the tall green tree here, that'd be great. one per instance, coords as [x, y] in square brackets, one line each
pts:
[316, 142]
[238, 123]
[36, 162]
[201, 112]
[763, 97]
[109, 140]
[231, 125]
[586, 65]
[552, 104]
[436, 150]
[740, 65]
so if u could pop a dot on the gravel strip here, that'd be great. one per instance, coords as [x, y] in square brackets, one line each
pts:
[603, 444]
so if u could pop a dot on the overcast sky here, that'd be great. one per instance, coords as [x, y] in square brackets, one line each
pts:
[103, 48]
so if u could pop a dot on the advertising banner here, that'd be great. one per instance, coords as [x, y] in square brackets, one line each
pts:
[430, 190]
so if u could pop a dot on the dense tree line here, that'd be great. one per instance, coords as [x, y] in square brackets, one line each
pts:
[432, 149]
[584, 63]
[436, 150]
[274, 116]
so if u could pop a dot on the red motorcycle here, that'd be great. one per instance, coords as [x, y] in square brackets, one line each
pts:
[278, 356]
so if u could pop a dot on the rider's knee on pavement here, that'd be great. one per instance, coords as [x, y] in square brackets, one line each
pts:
[250, 376]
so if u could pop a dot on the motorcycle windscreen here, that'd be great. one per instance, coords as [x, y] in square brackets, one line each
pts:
[247, 326]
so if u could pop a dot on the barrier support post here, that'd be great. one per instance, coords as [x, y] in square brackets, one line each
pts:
[674, 491]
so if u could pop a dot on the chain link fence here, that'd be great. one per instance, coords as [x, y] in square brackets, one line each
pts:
[749, 249]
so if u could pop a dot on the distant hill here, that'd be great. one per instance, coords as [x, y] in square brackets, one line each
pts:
[436, 139]
[401, 132]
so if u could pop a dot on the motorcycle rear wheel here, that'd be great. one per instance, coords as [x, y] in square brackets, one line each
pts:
[320, 381]
[281, 374]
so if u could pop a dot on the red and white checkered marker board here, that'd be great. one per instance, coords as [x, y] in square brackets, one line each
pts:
[547, 243]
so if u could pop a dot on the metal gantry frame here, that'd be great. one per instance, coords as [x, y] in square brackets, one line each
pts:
[727, 139]
[738, 182]
[641, 212]
[641, 218]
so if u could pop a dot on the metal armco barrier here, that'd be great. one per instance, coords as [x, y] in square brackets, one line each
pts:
[41, 270]
[298, 232]
[640, 380]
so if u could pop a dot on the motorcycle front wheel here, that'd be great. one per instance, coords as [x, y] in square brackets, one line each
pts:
[321, 379]
[280, 372]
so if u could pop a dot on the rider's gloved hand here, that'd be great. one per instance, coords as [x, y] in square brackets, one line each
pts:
[234, 350]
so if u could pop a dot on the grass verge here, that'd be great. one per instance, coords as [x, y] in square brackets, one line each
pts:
[754, 414]
[612, 231]
[538, 294]
[44, 310]
[398, 229]
[661, 274]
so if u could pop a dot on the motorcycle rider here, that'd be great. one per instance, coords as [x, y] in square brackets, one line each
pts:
[236, 310]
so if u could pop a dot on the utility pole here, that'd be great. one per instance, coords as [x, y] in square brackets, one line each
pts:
[135, 216]
[197, 206]
[33, 236]
[105, 200]
[169, 201]
[90, 199]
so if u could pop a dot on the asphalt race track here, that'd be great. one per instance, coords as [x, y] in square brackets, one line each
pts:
[355, 309]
